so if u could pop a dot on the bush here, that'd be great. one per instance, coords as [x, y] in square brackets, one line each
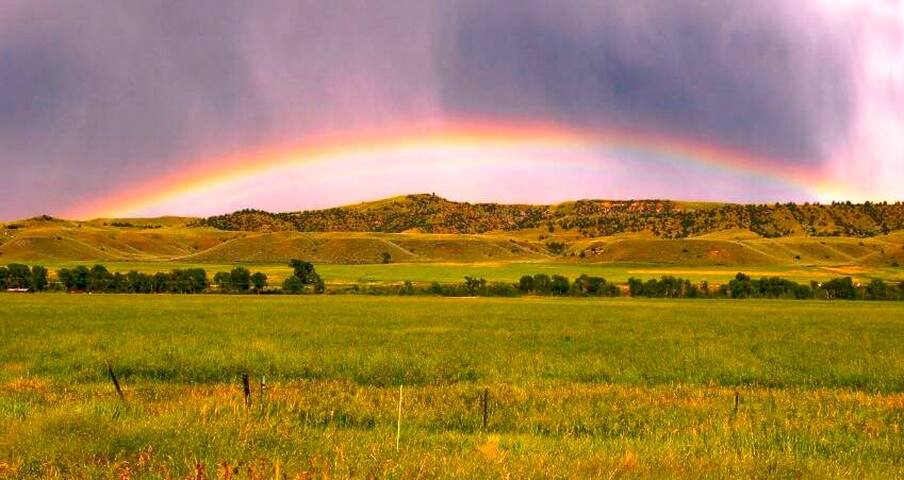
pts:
[293, 285]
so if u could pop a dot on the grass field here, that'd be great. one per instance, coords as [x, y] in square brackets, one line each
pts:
[577, 388]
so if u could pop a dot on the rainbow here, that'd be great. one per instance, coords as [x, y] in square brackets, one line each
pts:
[462, 146]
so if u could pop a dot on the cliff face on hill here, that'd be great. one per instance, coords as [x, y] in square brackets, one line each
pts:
[591, 218]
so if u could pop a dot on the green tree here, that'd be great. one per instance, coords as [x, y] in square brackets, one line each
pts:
[76, 279]
[542, 284]
[223, 281]
[407, 288]
[18, 276]
[241, 279]
[259, 281]
[293, 285]
[319, 285]
[303, 270]
[877, 290]
[840, 288]
[559, 285]
[38, 278]
[98, 279]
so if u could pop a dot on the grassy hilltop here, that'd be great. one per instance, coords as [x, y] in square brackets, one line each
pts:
[589, 218]
[428, 229]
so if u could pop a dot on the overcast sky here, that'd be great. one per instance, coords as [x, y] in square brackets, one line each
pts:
[96, 96]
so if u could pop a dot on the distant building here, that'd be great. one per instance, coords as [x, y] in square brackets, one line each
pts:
[19, 290]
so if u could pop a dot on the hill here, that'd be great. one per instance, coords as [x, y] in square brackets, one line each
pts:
[589, 218]
[429, 229]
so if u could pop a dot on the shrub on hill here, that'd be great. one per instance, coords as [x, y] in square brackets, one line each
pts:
[590, 218]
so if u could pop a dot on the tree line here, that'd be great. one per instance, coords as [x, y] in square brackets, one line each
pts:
[99, 279]
[305, 279]
[741, 287]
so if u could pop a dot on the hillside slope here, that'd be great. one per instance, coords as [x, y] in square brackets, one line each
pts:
[410, 229]
[589, 218]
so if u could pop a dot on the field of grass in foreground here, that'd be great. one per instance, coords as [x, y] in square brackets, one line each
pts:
[577, 388]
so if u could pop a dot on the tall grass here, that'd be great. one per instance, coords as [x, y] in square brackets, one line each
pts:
[577, 388]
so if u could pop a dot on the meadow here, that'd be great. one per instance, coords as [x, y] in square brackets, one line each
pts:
[576, 388]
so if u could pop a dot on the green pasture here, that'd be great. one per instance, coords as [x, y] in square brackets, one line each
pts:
[576, 388]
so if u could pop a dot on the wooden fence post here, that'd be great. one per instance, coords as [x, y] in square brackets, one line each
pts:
[115, 382]
[246, 387]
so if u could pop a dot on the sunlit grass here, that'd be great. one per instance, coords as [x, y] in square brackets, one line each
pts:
[577, 388]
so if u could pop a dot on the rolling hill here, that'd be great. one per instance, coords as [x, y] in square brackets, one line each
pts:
[429, 229]
[590, 218]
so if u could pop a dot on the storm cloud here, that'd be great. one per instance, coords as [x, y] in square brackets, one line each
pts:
[106, 92]
[722, 71]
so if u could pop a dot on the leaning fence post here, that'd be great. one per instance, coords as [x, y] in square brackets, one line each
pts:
[246, 387]
[737, 401]
[115, 382]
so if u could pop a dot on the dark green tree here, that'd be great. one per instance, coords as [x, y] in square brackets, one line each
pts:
[223, 280]
[559, 285]
[38, 278]
[542, 284]
[259, 281]
[241, 279]
[303, 270]
[293, 285]
[18, 276]
[840, 288]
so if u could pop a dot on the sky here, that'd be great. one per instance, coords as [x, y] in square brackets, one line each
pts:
[142, 108]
